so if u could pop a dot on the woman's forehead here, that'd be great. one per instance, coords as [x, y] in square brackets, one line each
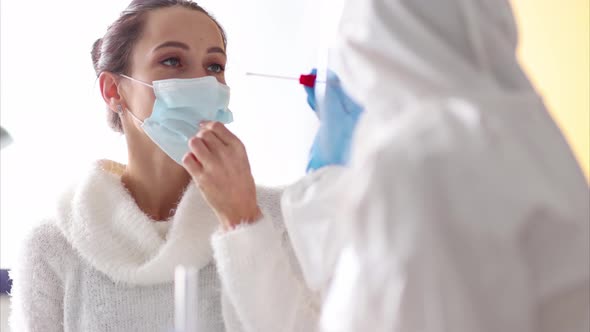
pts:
[181, 24]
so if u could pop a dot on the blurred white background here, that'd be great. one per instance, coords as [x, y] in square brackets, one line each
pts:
[50, 102]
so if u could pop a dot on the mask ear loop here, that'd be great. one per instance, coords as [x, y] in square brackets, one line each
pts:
[137, 81]
[120, 108]
[120, 112]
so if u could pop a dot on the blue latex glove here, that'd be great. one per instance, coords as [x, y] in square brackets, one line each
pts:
[338, 119]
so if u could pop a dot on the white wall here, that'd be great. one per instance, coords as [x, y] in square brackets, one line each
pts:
[52, 108]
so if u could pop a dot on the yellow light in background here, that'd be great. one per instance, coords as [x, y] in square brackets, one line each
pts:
[555, 52]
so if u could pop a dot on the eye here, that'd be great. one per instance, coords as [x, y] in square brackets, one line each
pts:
[216, 68]
[171, 62]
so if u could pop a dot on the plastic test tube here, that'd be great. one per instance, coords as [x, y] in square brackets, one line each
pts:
[186, 299]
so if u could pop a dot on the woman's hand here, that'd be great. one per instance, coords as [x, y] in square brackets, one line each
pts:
[219, 165]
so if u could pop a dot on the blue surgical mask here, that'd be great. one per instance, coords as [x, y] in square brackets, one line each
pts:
[180, 106]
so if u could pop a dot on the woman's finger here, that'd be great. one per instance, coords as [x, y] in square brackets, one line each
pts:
[211, 140]
[192, 165]
[200, 150]
[226, 136]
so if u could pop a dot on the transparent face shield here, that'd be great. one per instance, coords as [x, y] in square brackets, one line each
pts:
[331, 13]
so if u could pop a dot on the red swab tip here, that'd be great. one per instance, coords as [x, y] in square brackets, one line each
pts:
[307, 80]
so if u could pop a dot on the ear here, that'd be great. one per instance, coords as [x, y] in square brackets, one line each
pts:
[109, 89]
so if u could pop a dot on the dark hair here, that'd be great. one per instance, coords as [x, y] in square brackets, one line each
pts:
[111, 53]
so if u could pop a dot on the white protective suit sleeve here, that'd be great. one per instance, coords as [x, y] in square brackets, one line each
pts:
[312, 223]
[261, 277]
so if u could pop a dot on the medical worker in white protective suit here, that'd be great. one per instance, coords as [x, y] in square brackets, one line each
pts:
[462, 208]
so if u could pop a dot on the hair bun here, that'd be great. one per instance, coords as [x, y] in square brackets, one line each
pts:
[96, 54]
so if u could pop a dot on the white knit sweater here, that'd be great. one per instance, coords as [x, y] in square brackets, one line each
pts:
[101, 264]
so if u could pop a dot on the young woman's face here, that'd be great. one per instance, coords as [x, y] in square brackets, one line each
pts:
[176, 42]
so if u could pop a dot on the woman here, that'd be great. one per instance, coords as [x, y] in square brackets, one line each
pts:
[468, 207]
[106, 260]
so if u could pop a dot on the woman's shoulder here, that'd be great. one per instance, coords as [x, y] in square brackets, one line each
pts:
[44, 240]
[44, 246]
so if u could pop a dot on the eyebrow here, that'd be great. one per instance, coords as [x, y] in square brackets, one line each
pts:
[184, 46]
[216, 50]
[173, 44]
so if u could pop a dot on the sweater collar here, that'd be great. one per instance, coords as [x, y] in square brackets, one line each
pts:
[104, 224]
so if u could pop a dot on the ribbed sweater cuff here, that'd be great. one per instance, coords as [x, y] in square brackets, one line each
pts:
[248, 247]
